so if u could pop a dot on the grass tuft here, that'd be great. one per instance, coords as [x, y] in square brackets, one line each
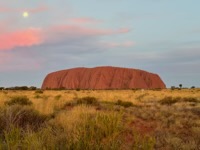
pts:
[19, 100]
[168, 101]
[124, 103]
[39, 92]
[21, 116]
[83, 101]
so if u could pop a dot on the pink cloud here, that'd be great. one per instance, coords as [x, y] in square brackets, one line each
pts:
[23, 38]
[79, 30]
[30, 37]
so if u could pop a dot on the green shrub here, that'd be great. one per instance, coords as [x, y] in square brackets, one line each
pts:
[79, 101]
[20, 100]
[173, 87]
[21, 116]
[124, 103]
[39, 92]
[32, 88]
[37, 96]
[190, 99]
[87, 100]
[2, 88]
[169, 100]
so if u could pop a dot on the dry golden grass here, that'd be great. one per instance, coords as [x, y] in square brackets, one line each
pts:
[47, 102]
[155, 119]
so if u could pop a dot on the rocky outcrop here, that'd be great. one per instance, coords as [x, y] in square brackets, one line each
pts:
[102, 78]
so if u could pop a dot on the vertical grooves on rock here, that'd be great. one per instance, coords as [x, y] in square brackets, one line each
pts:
[102, 78]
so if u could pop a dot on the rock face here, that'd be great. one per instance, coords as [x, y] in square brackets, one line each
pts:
[102, 78]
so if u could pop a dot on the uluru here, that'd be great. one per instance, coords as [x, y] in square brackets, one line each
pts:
[105, 77]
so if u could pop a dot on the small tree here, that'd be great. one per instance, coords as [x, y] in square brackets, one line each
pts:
[32, 88]
[173, 87]
[2, 88]
[180, 85]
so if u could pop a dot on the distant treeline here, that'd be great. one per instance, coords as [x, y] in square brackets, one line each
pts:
[78, 89]
[19, 88]
[178, 88]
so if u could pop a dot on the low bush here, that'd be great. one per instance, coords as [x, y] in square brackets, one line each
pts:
[37, 96]
[19, 100]
[84, 100]
[87, 100]
[190, 99]
[172, 100]
[21, 116]
[39, 92]
[169, 100]
[124, 103]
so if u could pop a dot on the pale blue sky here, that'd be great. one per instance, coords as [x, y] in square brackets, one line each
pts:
[159, 36]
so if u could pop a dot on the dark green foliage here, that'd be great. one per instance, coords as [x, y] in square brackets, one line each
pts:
[87, 100]
[39, 92]
[2, 88]
[193, 87]
[37, 96]
[190, 99]
[32, 88]
[21, 88]
[18, 88]
[173, 87]
[124, 103]
[84, 100]
[169, 101]
[19, 100]
[172, 100]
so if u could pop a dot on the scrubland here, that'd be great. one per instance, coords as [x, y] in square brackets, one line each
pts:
[100, 119]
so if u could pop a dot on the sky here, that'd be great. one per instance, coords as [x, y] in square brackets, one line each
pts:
[159, 36]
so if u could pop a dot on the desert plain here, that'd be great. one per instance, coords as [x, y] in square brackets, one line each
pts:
[100, 119]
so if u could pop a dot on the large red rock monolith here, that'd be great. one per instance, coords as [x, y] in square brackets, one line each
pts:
[102, 78]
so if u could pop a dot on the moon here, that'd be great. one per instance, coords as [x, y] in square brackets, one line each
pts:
[25, 14]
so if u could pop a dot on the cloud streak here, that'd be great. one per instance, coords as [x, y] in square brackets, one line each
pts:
[84, 20]
[85, 31]
[34, 36]
[24, 38]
